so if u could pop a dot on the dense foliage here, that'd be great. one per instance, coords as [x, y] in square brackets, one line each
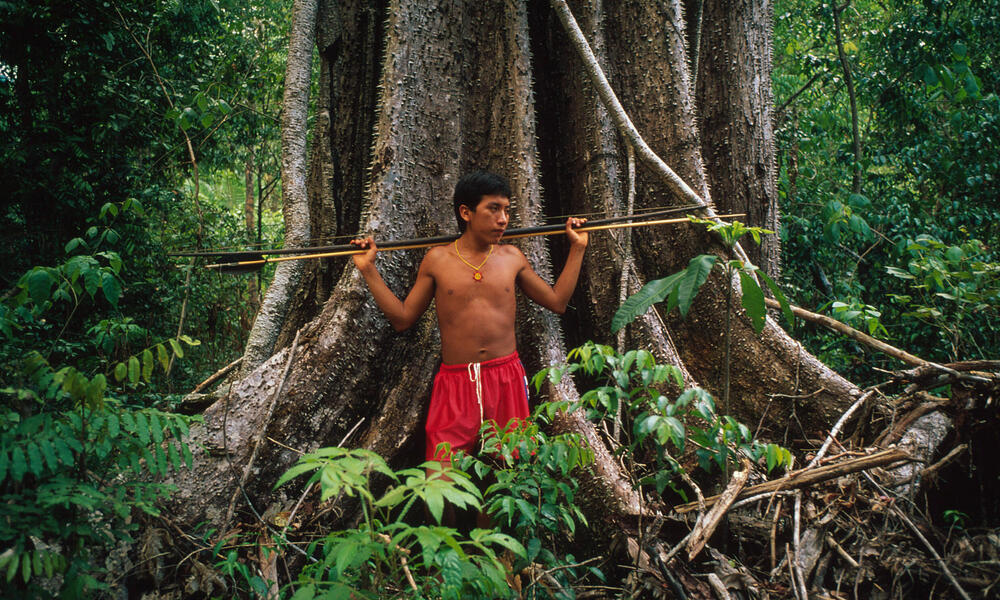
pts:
[122, 126]
[912, 255]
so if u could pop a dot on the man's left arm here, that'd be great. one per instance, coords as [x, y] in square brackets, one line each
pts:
[555, 298]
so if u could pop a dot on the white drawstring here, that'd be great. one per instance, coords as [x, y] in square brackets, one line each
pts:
[474, 376]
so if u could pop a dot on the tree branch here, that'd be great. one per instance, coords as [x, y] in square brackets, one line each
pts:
[806, 477]
[622, 121]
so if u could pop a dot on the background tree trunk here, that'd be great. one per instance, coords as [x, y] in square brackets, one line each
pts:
[295, 109]
[735, 106]
[462, 86]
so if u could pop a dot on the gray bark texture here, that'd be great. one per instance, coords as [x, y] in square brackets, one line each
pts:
[295, 108]
[498, 86]
[735, 106]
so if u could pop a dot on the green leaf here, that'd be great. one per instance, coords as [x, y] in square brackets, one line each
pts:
[295, 471]
[96, 388]
[155, 428]
[133, 370]
[176, 346]
[786, 308]
[694, 276]
[753, 300]
[771, 454]
[75, 243]
[175, 458]
[18, 463]
[12, 567]
[142, 428]
[39, 285]
[534, 545]
[112, 288]
[900, 273]
[637, 304]
[34, 459]
[147, 365]
[91, 280]
[161, 355]
[121, 370]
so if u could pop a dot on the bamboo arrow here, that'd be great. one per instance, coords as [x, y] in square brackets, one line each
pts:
[625, 221]
[430, 240]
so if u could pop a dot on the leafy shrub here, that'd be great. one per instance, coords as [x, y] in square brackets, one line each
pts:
[631, 387]
[386, 556]
[77, 456]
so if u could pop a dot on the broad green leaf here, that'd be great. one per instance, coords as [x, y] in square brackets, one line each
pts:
[142, 428]
[75, 243]
[133, 370]
[161, 355]
[155, 428]
[39, 285]
[91, 280]
[637, 304]
[176, 346]
[12, 567]
[34, 459]
[694, 276]
[18, 463]
[147, 365]
[96, 388]
[786, 308]
[112, 288]
[121, 370]
[295, 471]
[753, 300]
[435, 504]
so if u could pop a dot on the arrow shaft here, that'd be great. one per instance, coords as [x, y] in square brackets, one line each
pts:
[442, 240]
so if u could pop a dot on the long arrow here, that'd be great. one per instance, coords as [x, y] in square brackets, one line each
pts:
[256, 260]
[443, 239]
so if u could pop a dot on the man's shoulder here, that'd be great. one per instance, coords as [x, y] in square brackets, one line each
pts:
[435, 255]
[508, 250]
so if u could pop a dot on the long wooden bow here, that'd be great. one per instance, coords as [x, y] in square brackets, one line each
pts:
[252, 260]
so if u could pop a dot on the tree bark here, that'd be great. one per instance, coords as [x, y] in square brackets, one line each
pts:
[274, 307]
[851, 97]
[734, 108]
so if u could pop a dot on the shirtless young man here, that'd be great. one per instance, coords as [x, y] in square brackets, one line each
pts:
[472, 283]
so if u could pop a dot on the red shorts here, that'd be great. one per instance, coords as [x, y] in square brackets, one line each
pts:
[456, 412]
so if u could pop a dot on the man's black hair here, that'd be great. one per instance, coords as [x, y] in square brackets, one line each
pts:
[471, 188]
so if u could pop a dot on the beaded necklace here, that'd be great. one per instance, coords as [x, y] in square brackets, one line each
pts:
[477, 274]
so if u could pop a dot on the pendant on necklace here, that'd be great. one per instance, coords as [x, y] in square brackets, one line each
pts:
[477, 276]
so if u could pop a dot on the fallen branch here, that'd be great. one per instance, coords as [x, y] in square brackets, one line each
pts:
[852, 333]
[216, 376]
[934, 553]
[891, 436]
[922, 366]
[836, 428]
[807, 477]
[707, 524]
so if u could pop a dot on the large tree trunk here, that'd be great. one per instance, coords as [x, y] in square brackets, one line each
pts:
[459, 89]
[734, 108]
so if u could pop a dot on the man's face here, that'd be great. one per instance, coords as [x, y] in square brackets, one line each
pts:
[490, 218]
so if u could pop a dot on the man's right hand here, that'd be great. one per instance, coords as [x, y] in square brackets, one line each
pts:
[365, 260]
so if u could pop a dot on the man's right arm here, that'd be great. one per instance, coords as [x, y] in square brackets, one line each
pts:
[401, 313]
